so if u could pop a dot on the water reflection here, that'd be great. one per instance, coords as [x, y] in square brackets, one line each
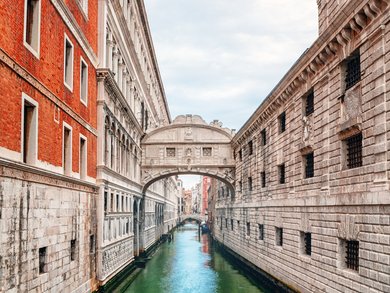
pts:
[189, 264]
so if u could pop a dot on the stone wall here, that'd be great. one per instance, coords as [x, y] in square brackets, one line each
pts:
[35, 215]
[339, 206]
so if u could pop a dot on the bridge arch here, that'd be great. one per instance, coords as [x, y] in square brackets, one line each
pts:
[188, 146]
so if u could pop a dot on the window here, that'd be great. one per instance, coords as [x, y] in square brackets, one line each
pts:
[29, 130]
[68, 63]
[67, 150]
[207, 152]
[32, 20]
[263, 179]
[250, 148]
[42, 260]
[261, 231]
[306, 243]
[240, 185]
[83, 158]
[263, 135]
[309, 165]
[349, 254]
[250, 185]
[278, 236]
[105, 201]
[171, 152]
[72, 249]
[83, 82]
[231, 224]
[248, 229]
[282, 122]
[117, 203]
[352, 255]
[282, 175]
[240, 154]
[309, 105]
[352, 70]
[354, 151]
[92, 244]
[226, 223]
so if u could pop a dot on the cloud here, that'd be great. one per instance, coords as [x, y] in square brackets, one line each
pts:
[220, 58]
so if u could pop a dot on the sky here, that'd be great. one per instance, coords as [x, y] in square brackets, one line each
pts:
[220, 58]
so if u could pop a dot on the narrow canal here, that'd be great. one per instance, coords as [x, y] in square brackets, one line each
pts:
[190, 265]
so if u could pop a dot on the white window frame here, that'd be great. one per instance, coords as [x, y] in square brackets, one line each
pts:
[27, 98]
[69, 86]
[66, 125]
[83, 4]
[34, 51]
[86, 156]
[85, 101]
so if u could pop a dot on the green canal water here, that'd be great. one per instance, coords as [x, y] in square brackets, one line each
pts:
[190, 265]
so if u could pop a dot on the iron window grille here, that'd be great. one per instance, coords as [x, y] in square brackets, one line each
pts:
[279, 236]
[353, 73]
[72, 249]
[282, 175]
[207, 152]
[261, 231]
[354, 151]
[240, 154]
[263, 183]
[282, 122]
[352, 255]
[307, 240]
[231, 224]
[248, 228]
[263, 134]
[226, 223]
[171, 152]
[309, 103]
[309, 165]
[250, 148]
[250, 185]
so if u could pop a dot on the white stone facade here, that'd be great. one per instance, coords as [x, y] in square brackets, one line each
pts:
[131, 101]
[342, 201]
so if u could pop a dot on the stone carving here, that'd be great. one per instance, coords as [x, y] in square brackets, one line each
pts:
[352, 105]
[306, 129]
[188, 133]
[116, 255]
[188, 152]
[347, 228]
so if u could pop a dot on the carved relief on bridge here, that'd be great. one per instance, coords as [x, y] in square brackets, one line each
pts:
[188, 146]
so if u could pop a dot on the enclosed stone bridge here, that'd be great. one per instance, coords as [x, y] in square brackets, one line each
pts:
[188, 146]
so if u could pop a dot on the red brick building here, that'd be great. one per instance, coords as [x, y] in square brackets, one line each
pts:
[48, 59]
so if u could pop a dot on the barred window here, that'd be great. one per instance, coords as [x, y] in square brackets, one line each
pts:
[240, 154]
[282, 122]
[354, 151]
[207, 152]
[231, 224]
[282, 175]
[263, 134]
[171, 152]
[278, 236]
[306, 241]
[250, 148]
[352, 74]
[352, 254]
[240, 185]
[263, 178]
[261, 231]
[226, 223]
[72, 249]
[248, 229]
[309, 103]
[309, 165]
[250, 185]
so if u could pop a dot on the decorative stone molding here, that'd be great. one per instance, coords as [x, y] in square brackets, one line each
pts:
[347, 228]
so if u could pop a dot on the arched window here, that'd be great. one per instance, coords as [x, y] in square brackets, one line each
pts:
[112, 139]
[106, 141]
